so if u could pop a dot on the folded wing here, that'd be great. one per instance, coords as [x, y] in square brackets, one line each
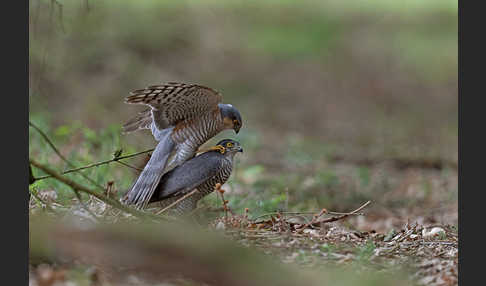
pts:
[188, 176]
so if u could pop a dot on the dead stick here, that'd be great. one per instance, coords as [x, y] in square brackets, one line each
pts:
[303, 213]
[317, 223]
[323, 211]
[174, 203]
[79, 187]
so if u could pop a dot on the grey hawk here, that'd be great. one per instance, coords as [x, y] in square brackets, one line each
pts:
[202, 172]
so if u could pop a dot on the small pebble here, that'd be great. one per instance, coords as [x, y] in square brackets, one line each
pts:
[433, 232]
[220, 226]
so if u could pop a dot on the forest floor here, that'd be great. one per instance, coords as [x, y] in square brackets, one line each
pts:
[428, 255]
[421, 247]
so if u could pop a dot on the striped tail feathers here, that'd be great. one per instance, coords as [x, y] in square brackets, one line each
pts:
[140, 96]
[146, 183]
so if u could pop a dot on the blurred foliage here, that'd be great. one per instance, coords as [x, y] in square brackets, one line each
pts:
[163, 251]
[375, 78]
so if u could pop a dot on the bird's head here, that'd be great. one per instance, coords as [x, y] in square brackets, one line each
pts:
[231, 117]
[227, 147]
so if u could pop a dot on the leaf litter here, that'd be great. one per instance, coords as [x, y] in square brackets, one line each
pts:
[428, 253]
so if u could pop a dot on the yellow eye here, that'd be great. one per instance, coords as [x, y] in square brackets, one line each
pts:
[229, 144]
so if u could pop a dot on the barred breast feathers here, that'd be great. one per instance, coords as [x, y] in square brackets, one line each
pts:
[193, 134]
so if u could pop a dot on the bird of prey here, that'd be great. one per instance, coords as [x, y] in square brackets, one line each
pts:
[202, 172]
[181, 117]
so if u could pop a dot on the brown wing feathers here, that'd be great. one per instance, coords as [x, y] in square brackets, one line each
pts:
[172, 105]
[156, 93]
[175, 101]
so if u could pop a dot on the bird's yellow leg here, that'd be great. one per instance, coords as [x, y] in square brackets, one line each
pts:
[219, 148]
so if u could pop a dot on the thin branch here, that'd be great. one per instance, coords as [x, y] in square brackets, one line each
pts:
[174, 203]
[49, 142]
[129, 166]
[430, 242]
[303, 213]
[313, 221]
[100, 163]
[82, 188]
[106, 161]
[31, 176]
[46, 138]
[317, 223]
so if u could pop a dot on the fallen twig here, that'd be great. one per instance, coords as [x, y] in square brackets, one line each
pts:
[304, 213]
[322, 212]
[82, 188]
[174, 203]
[431, 242]
[298, 227]
[317, 223]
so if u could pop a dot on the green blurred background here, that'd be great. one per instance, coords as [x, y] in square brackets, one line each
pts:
[331, 94]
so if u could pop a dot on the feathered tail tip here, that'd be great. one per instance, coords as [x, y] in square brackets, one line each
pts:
[144, 186]
[141, 194]
[141, 121]
[138, 202]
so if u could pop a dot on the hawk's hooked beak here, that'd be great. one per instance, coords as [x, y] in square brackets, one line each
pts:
[236, 126]
[240, 149]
